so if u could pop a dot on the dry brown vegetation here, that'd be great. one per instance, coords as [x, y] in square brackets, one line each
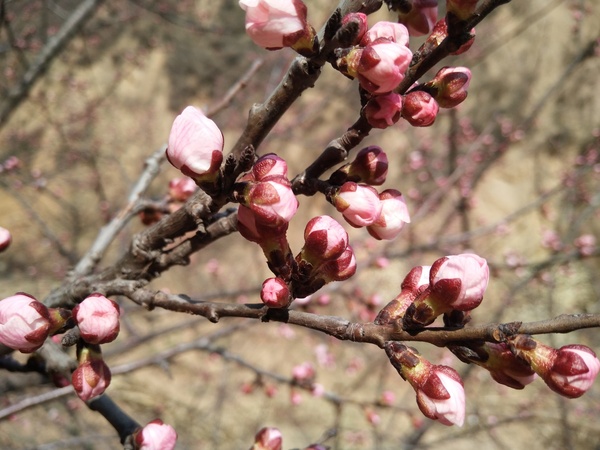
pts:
[107, 103]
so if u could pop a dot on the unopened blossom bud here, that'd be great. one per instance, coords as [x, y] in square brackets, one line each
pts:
[456, 282]
[419, 109]
[440, 32]
[268, 439]
[570, 371]
[497, 358]
[462, 9]
[98, 319]
[5, 239]
[380, 66]
[156, 435]
[394, 214]
[269, 165]
[439, 389]
[324, 239]
[360, 19]
[275, 293]
[273, 202]
[384, 110]
[415, 282]
[180, 189]
[195, 145]
[395, 32]
[420, 18]
[449, 86]
[92, 376]
[255, 230]
[24, 323]
[370, 166]
[274, 24]
[358, 203]
[341, 268]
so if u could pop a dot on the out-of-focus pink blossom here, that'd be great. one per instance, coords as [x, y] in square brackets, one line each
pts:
[384, 110]
[382, 65]
[195, 145]
[419, 109]
[24, 323]
[449, 86]
[304, 372]
[419, 20]
[359, 204]
[394, 31]
[439, 389]
[274, 24]
[324, 239]
[586, 243]
[98, 319]
[156, 435]
[570, 371]
[388, 398]
[92, 376]
[5, 239]
[394, 214]
[180, 189]
[268, 439]
[275, 293]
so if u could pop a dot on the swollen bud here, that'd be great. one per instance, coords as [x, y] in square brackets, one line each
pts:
[98, 319]
[156, 435]
[92, 376]
[449, 86]
[419, 109]
[275, 293]
[358, 203]
[393, 216]
[419, 17]
[5, 239]
[24, 323]
[383, 111]
[268, 439]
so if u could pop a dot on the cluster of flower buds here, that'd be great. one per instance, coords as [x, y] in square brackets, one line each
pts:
[439, 389]
[26, 323]
[570, 370]
[5, 239]
[156, 435]
[195, 146]
[274, 24]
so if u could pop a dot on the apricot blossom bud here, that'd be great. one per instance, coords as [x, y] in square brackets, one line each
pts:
[395, 32]
[358, 203]
[5, 239]
[268, 439]
[273, 202]
[569, 371]
[24, 323]
[254, 230]
[415, 282]
[394, 214]
[274, 24]
[180, 189]
[440, 32]
[269, 165]
[92, 376]
[324, 239]
[361, 21]
[275, 293]
[449, 86]
[370, 166]
[384, 110]
[156, 435]
[98, 319]
[341, 268]
[420, 18]
[380, 66]
[419, 109]
[439, 389]
[195, 145]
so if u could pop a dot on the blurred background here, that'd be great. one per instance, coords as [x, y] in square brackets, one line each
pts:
[512, 174]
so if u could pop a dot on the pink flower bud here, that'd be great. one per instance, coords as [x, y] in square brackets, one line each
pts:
[341, 268]
[462, 9]
[382, 65]
[274, 24]
[393, 31]
[195, 145]
[268, 439]
[361, 20]
[275, 293]
[98, 319]
[359, 204]
[24, 323]
[440, 32]
[419, 109]
[324, 239]
[394, 214]
[383, 111]
[272, 202]
[449, 87]
[569, 371]
[156, 435]
[92, 376]
[415, 282]
[439, 389]
[180, 189]
[420, 18]
[460, 280]
[5, 239]
[269, 165]
[254, 230]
